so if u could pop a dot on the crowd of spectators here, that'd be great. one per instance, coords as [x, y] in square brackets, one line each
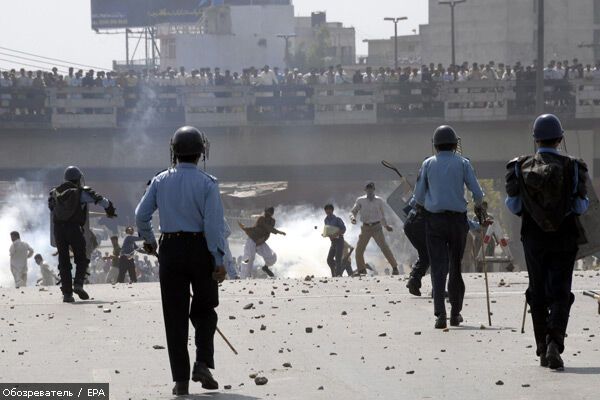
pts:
[36, 82]
[268, 76]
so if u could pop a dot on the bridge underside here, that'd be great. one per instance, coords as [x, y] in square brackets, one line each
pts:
[276, 153]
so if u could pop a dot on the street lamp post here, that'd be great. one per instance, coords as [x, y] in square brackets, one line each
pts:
[287, 38]
[452, 4]
[395, 21]
[539, 84]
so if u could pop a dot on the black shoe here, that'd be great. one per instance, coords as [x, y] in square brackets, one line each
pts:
[414, 286]
[267, 271]
[543, 360]
[360, 272]
[553, 357]
[455, 320]
[78, 289]
[68, 298]
[440, 322]
[395, 271]
[202, 374]
[181, 388]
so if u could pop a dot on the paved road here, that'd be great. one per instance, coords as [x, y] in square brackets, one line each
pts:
[348, 356]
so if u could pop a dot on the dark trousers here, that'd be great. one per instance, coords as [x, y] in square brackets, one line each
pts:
[184, 261]
[126, 265]
[550, 261]
[446, 240]
[334, 258]
[69, 236]
[415, 229]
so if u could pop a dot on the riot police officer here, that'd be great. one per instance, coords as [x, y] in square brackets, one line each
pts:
[548, 190]
[440, 194]
[191, 252]
[68, 205]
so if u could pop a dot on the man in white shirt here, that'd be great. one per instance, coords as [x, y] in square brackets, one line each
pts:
[49, 278]
[19, 253]
[267, 77]
[373, 218]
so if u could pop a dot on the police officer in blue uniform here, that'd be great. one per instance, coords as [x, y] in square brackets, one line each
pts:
[68, 204]
[440, 194]
[191, 252]
[548, 190]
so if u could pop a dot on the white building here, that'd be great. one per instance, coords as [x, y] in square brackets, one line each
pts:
[341, 47]
[230, 37]
[505, 31]
[382, 51]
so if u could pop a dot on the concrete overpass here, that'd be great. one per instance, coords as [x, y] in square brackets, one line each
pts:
[322, 133]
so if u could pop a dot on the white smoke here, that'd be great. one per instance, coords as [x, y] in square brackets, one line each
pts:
[25, 210]
[303, 251]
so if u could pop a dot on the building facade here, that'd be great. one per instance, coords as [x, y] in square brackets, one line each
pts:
[340, 40]
[232, 36]
[505, 31]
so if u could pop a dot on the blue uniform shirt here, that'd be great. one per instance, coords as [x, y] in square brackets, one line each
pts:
[441, 183]
[580, 205]
[188, 200]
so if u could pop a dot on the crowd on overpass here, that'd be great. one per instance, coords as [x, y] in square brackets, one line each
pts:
[267, 76]
[24, 92]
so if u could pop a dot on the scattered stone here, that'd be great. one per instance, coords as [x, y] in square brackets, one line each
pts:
[106, 310]
[287, 365]
[252, 376]
[383, 334]
[417, 333]
[231, 317]
[263, 328]
[309, 329]
[227, 387]
[261, 380]
[499, 383]
[411, 372]
[526, 385]
[158, 347]
[248, 306]
[482, 326]
[344, 313]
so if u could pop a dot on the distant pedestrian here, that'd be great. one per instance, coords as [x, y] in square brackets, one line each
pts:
[335, 230]
[126, 257]
[19, 253]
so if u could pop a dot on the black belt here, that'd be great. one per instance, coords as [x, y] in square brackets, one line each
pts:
[372, 223]
[446, 212]
[172, 235]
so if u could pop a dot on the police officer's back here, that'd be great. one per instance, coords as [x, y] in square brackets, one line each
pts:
[191, 253]
[548, 190]
[68, 204]
[440, 194]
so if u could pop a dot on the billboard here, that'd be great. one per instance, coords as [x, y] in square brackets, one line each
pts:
[113, 14]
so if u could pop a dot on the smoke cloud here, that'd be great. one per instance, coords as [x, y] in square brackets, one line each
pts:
[303, 251]
[25, 210]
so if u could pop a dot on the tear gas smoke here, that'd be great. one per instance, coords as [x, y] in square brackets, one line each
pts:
[25, 211]
[303, 251]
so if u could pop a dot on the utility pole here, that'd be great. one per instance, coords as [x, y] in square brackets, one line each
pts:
[395, 21]
[287, 38]
[539, 81]
[452, 4]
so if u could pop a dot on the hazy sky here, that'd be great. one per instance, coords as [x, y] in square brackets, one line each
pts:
[61, 28]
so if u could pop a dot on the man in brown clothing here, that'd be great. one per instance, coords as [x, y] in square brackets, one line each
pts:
[257, 244]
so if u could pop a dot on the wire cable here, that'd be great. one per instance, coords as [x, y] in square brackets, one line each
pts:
[54, 59]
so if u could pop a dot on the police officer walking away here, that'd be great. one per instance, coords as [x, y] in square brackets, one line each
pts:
[548, 191]
[191, 253]
[440, 193]
[68, 205]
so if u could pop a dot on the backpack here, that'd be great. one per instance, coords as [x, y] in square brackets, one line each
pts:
[65, 203]
[546, 187]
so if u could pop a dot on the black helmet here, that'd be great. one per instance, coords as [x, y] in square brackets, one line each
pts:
[73, 174]
[444, 134]
[547, 127]
[188, 141]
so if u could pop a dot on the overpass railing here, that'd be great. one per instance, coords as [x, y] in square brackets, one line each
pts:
[234, 106]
